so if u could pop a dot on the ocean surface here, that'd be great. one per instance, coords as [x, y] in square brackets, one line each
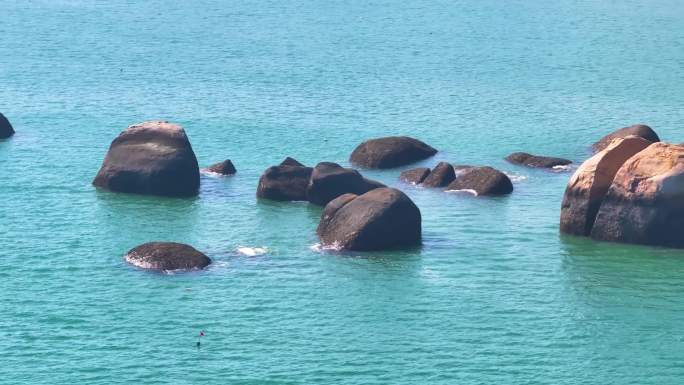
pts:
[493, 296]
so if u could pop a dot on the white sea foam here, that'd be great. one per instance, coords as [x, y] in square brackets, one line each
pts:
[320, 247]
[465, 190]
[251, 251]
[211, 174]
[561, 167]
[516, 178]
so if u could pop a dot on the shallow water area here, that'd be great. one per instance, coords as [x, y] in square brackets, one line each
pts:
[493, 295]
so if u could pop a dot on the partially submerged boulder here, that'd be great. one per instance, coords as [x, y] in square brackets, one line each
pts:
[285, 182]
[388, 152]
[330, 180]
[640, 130]
[590, 183]
[382, 218]
[167, 256]
[415, 175]
[6, 129]
[224, 168]
[153, 158]
[482, 180]
[538, 161]
[440, 176]
[645, 202]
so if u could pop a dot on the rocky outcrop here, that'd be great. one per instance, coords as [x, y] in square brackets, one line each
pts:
[641, 130]
[285, 182]
[6, 129]
[482, 181]
[415, 175]
[224, 168]
[388, 152]
[590, 183]
[153, 158]
[529, 160]
[440, 176]
[645, 202]
[382, 218]
[167, 256]
[330, 180]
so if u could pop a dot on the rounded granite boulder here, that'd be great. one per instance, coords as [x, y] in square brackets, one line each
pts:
[6, 129]
[153, 158]
[330, 180]
[590, 183]
[482, 181]
[224, 168]
[167, 256]
[537, 161]
[389, 152]
[640, 130]
[382, 218]
[287, 181]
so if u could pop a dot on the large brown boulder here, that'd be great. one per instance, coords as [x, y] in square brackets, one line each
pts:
[382, 218]
[153, 158]
[6, 129]
[590, 183]
[392, 151]
[167, 256]
[640, 130]
[224, 168]
[285, 182]
[645, 203]
[415, 175]
[330, 180]
[538, 161]
[440, 176]
[482, 181]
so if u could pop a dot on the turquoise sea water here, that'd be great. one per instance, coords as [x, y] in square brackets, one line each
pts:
[494, 295]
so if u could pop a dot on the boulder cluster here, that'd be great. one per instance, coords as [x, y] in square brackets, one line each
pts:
[480, 180]
[631, 191]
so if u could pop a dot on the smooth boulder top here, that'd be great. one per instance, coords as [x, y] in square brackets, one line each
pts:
[6, 129]
[537, 161]
[590, 183]
[153, 158]
[382, 218]
[645, 202]
[482, 180]
[440, 176]
[415, 175]
[167, 256]
[285, 182]
[389, 152]
[224, 168]
[330, 180]
[640, 130]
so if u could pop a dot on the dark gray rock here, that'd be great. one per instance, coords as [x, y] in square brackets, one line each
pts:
[382, 218]
[167, 256]
[388, 152]
[640, 130]
[291, 162]
[286, 182]
[6, 129]
[224, 168]
[415, 175]
[482, 180]
[152, 158]
[440, 176]
[330, 180]
[537, 161]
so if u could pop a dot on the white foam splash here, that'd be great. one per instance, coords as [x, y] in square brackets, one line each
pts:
[561, 167]
[251, 251]
[211, 174]
[320, 247]
[516, 178]
[465, 190]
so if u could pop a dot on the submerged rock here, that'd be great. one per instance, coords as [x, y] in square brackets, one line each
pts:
[152, 158]
[6, 129]
[167, 256]
[530, 160]
[640, 130]
[382, 218]
[590, 183]
[224, 168]
[483, 181]
[415, 176]
[330, 180]
[286, 182]
[388, 152]
[645, 202]
[440, 176]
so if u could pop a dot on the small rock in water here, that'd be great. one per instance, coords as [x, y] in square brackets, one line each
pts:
[167, 256]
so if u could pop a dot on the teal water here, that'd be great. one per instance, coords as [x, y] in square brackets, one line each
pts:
[494, 295]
